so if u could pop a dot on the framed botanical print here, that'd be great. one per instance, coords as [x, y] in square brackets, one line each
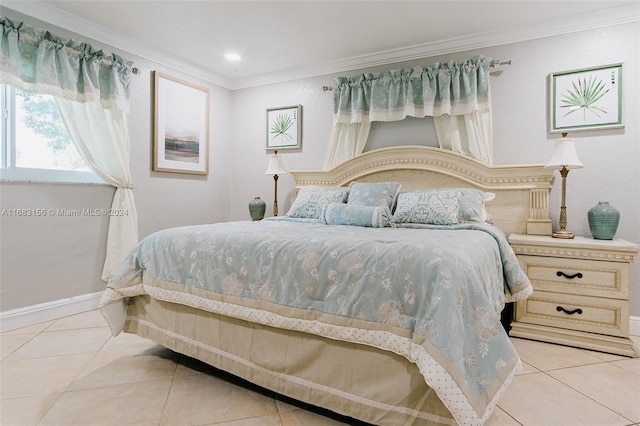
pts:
[585, 99]
[284, 128]
[181, 126]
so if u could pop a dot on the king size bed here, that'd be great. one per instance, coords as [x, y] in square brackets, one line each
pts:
[378, 296]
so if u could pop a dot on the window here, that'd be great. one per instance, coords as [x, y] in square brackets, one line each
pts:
[35, 143]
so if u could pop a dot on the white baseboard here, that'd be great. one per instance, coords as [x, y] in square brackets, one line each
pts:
[35, 314]
[634, 326]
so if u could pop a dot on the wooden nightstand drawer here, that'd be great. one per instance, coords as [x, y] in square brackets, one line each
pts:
[577, 276]
[583, 313]
[580, 292]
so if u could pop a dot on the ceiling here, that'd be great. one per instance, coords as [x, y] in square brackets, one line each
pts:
[284, 40]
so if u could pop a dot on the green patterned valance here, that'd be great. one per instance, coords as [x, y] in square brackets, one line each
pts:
[35, 60]
[440, 88]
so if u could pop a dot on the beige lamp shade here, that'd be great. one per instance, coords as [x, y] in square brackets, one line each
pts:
[564, 158]
[564, 155]
[275, 166]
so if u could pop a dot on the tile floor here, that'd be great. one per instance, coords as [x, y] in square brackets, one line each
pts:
[72, 372]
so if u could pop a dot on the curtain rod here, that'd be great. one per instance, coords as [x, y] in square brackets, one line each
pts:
[493, 64]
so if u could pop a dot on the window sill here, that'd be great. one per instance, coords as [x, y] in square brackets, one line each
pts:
[24, 175]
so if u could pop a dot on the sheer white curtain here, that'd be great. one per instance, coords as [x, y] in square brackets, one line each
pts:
[455, 94]
[469, 134]
[92, 92]
[102, 138]
[347, 141]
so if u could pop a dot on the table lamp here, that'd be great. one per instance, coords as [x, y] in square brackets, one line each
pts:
[275, 168]
[564, 158]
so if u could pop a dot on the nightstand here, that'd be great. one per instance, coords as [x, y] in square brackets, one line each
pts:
[580, 292]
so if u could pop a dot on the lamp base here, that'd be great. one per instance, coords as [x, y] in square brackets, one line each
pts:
[563, 234]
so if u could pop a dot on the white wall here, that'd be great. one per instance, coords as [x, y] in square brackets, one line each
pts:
[54, 258]
[519, 99]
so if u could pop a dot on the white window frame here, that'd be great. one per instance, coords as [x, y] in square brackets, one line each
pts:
[9, 172]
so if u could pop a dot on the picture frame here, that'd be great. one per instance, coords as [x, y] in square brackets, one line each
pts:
[284, 128]
[586, 99]
[181, 126]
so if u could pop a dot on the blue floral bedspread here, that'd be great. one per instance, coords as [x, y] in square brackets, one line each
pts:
[430, 293]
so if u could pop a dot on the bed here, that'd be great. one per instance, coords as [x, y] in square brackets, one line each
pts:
[359, 300]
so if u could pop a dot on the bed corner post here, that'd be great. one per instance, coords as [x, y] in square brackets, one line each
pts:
[539, 222]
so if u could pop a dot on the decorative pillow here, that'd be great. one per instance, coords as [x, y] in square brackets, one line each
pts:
[373, 194]
[472, 205]
[437, 207]
[312, 199]
[344, 214]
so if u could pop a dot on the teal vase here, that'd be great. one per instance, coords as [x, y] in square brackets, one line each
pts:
[257, 208]
[603, 221]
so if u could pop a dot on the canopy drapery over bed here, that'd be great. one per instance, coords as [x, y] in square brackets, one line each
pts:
[457, 95]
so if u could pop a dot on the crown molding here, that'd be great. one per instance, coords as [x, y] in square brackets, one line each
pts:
[606, 18]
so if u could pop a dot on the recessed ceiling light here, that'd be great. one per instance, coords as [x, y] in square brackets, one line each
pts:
[232, 57]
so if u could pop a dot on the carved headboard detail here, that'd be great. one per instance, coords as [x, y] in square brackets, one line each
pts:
[522, 191]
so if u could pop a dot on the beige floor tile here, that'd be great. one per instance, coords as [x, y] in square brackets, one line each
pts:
[11, 342]
[607, 384]
[112, 367]
[87, 319]
[629, 364]
[95, 379]
[537, 400]
[36, 328]
[547, 356]
[29, 377]
[204, 399]
[130, 404]
[255, 421]
[128, 342]
[63, 342]
[307, 418]
[500, 418]
[26, 411]
[527, 369]
[284, 407]
[608, 357]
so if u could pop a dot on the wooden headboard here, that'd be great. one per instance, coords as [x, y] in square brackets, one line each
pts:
[522, 191]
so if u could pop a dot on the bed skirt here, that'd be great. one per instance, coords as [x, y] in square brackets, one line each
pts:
[357, 381]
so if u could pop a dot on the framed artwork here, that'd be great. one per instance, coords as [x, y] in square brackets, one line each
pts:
[284, 128]
[585, 99]
[181, 126]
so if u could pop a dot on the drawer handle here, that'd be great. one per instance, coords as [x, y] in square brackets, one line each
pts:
[575, 311]
[562, 274]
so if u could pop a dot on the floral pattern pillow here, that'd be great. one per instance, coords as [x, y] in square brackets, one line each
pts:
[311, 200]
[436, 207]
[373, 194]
